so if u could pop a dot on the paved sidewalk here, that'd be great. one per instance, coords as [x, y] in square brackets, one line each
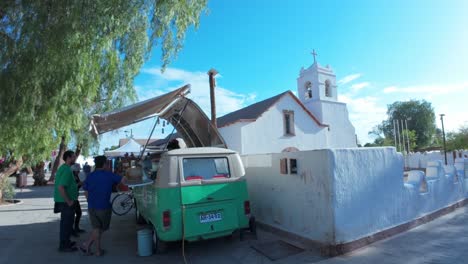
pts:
[29, 234]
[444, 240]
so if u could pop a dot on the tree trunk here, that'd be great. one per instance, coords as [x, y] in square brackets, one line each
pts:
[57, 159]
[7, 172]
[78, 150]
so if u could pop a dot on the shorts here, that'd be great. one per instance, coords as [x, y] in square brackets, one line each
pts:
[100, 219]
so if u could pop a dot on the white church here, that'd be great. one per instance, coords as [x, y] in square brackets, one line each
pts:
[285, 123]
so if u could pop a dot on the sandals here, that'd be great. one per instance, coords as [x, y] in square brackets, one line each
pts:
[103, 252]
[86, 250]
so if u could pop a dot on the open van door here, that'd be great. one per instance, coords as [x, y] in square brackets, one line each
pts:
[184, 114]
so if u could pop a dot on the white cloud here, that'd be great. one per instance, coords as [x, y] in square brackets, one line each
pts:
[365, 113]
[390, 89]
[226, 100]
[349, 78]
[359, 86]
[427, 89]
[368, 109]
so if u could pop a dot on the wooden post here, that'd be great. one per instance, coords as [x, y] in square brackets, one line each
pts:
[78, 150]
[212, 73]
[57, 159]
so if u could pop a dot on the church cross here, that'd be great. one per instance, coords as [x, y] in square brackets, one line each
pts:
[314, 54]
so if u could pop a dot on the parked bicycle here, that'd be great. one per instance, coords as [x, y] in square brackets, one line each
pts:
[123, 203]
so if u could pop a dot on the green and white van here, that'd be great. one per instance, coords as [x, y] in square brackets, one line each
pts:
[198, 193]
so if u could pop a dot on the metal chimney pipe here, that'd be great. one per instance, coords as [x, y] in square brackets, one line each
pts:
[212, 73]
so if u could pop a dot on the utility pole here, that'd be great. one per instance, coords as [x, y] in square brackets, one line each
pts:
[399, 137]
[407, 133]
[394, 134]
[443, 136]
[403, 136]
[212, 73]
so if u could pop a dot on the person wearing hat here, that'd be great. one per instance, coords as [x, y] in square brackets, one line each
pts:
[76, 168]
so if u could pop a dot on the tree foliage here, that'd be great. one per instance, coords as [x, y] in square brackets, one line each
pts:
[62, 61]
[420, 118]
[111, 148]
[458, 140]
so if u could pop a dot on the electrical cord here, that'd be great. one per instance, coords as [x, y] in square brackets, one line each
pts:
[183, 232]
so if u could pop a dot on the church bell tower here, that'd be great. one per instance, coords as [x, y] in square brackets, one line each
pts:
[317, 90]
[317, 83]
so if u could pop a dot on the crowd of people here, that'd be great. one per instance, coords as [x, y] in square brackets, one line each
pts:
[97, 186]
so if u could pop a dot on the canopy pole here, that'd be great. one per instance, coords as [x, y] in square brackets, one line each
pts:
[178, 121]
[147, 141]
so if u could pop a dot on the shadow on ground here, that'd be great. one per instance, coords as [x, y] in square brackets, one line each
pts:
[29, 234]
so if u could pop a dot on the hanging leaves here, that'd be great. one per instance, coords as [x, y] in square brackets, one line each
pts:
[62, 61]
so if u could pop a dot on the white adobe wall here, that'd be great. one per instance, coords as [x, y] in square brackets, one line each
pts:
[370, 195]
[368, 186]
[298, 203]
[341, 195]
[419, 160]
[232, 135]
[266, 135]
[335, 114]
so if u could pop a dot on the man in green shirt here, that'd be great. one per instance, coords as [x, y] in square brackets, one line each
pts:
[66, 197]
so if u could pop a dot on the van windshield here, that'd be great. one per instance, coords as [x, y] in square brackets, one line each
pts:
[205, 168]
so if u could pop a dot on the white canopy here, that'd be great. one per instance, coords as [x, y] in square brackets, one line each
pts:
[131, 147]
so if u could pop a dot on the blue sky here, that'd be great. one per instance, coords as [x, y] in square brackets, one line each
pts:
[381, 51]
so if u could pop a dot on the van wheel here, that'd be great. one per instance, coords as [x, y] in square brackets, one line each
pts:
[140, 220]
[159, 246]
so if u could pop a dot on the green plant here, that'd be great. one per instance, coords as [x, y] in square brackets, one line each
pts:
[7, 191]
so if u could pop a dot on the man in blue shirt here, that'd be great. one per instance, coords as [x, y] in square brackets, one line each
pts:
[98, 189]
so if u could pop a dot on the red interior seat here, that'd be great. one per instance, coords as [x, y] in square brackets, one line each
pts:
[191, 178]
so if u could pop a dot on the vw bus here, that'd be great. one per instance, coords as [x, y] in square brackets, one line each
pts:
[198, 193]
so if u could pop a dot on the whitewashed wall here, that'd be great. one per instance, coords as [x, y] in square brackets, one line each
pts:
[419, 160]
[342, 133]
[341, 195]
[298, 203]
[232, 135]
[266, 135]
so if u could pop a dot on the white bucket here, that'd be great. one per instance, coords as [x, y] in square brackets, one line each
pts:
[145, 242]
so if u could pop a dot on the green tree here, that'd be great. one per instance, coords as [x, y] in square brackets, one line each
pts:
[111, 148]
[62, 61]
[381, 141]
[458, 140]
[420, 116]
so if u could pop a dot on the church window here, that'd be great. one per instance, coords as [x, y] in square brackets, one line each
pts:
[327, 88]
[308, 87]
[288, 119]
[293, 166]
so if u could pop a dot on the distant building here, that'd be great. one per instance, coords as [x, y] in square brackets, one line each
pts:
[284, 122]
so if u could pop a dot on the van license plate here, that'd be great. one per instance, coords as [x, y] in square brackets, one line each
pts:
[210, 217]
